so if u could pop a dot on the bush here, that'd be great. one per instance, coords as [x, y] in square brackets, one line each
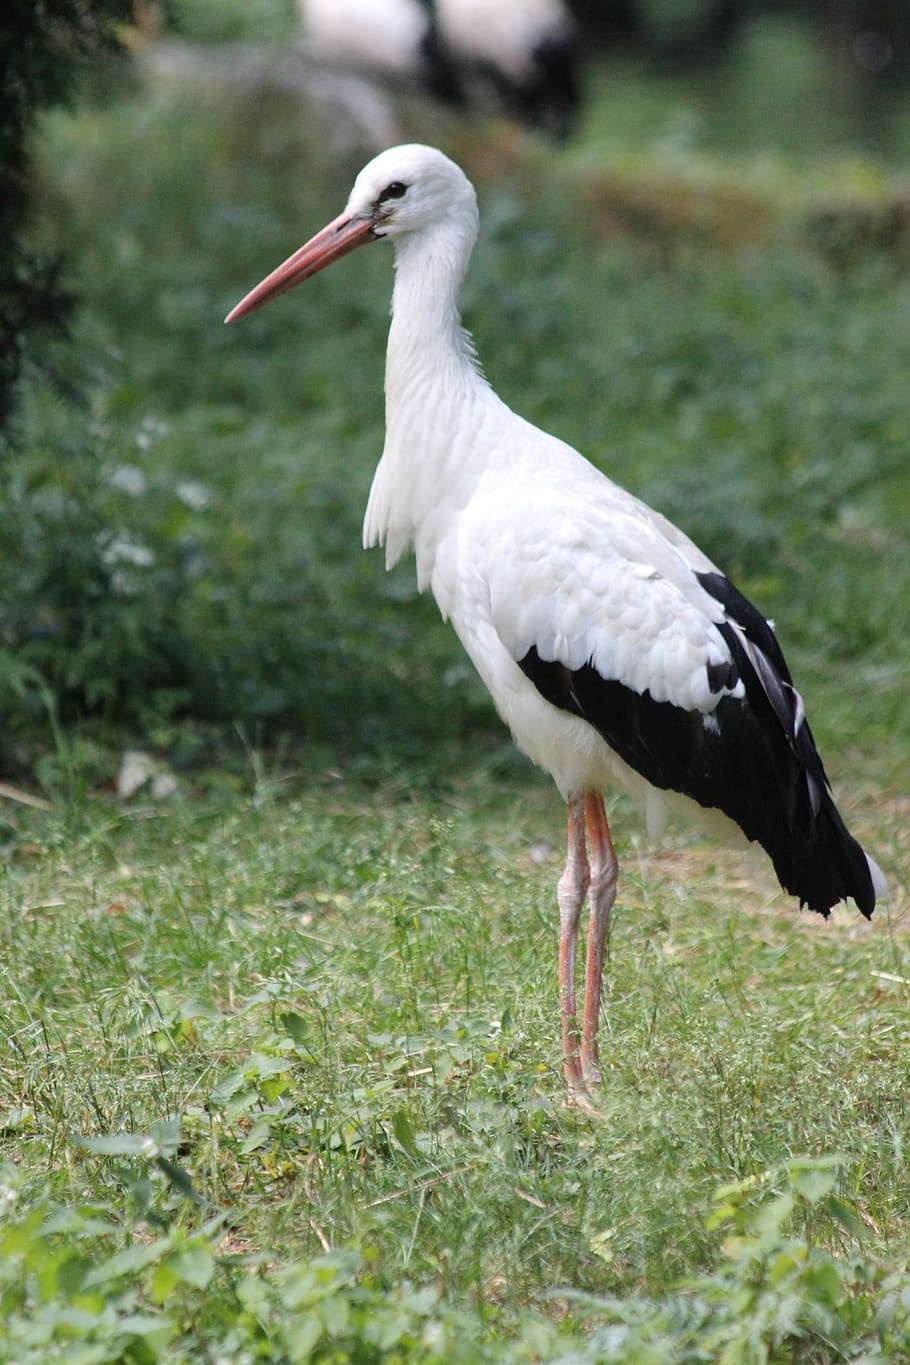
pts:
[44, 48]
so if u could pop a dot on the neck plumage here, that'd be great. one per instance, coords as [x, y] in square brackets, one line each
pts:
[435, 395]
[429, 353]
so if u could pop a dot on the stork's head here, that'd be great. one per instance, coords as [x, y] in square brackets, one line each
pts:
[401, 192]
[409, 188]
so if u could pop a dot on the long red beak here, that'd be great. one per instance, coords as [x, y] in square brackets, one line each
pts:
[342, 235]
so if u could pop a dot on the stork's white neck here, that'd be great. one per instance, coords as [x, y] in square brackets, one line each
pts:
[428, 349]
[434, 392]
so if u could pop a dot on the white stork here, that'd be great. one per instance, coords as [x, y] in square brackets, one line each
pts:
[519, 56]
[617, 653]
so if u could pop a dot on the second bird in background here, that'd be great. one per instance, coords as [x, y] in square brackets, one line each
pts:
[515, 56]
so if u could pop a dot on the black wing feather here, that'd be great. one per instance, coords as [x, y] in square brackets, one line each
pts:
[753, 758]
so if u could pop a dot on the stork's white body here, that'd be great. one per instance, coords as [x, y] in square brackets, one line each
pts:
[523, 542]
[384, 36]
[615, 651]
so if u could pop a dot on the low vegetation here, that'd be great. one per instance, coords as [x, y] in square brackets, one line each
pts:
[282, 1078]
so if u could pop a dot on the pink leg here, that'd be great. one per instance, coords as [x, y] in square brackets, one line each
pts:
[601, 895]
[570, 895]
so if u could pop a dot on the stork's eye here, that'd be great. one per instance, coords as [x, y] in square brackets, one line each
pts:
[394, 191]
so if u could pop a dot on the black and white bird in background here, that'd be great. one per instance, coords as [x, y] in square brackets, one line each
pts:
[526, 58]
[618, 654]
[518, 57]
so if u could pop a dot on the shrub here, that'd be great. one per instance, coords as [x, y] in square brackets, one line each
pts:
[43, 49]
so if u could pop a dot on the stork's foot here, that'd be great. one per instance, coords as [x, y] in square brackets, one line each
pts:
[581, 1098]
[582, 1080]
[590, 1070]
[582, 1094]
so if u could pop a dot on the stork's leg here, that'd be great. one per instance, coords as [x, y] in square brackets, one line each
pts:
[601, 895]
[570, 895]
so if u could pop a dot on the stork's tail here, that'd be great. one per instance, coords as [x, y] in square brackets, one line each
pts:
[822, 863]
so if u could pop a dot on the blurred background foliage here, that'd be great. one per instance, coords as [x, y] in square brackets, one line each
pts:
[705, 289]
[45, 51]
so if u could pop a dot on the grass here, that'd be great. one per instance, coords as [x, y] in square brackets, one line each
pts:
[347, 1001]
[280, 1071]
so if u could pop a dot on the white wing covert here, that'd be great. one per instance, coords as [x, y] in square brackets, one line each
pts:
[593, 586]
